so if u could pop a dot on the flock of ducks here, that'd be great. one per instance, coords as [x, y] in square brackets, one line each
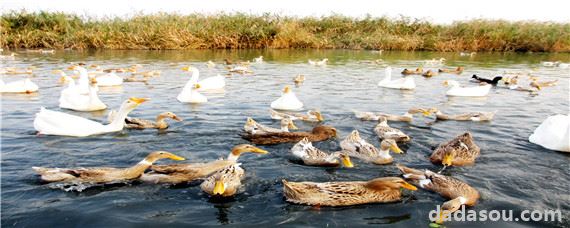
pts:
[223, 177]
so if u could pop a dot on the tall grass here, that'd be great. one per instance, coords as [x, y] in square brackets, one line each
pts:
[238, 31]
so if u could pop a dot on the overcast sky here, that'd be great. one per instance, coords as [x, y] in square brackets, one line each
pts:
[439, 11]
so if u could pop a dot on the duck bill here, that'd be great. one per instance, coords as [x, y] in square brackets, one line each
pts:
[396, 149]
[447, 160]
[287, 89]
[409, 186]
[219, 188]
[176, 157]
[346, 162]
[426, 113]
[292, 126]
[259, 151]
[441, 217]
[197, 86]
[71, 67]
[177, 118]
[138, 101]
[186, 68]
[319, 117]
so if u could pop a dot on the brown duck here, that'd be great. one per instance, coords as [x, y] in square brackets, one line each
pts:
[379, 190]
[459, 192]
[458, 70]
[319, 133]
[418, 70]
[183, 173]
[99, 175]
[460, 151]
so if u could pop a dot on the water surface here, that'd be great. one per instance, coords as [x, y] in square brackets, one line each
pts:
[511, 173]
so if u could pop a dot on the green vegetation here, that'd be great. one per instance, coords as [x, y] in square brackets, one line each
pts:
[238, 31]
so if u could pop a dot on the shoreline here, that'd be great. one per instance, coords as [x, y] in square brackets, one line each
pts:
[165, 31]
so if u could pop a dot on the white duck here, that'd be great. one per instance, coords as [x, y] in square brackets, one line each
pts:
[258, 59]
[319, 63]
[190, 94]
[20, 86]
[553, 133]
[287, 101]
[211, 83]
[402, 83]
[49, 122]
[82, 86]
[457, 90]
[71, 99]
[109, 79]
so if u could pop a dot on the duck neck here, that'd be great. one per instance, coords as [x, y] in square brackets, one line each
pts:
[118, 120]
[387, 74]
[384, 153]
[233, 157]
[161, 122]
[195, 76]
[138, 169]
[83, 78]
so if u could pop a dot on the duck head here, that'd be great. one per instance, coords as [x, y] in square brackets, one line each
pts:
[169, 115]
[449, 207]
[448, 157]
[344, 159]
[131, 103]
[389, 183]
[325, 130]
[244, 148]
[390, 144]
[287, 123]
[317, 114]
[157, 155]
[287, 90]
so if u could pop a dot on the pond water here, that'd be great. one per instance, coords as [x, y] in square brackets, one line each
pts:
[511, 173]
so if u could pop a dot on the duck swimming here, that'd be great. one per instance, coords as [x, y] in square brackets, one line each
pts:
[407, 117]
[322, 62]
[459, 192]
[287, 101]
[184, 173]
[469, 116]
[20, 86]
[493, 81]
[460, 151]
[319, 133]
[429, 74]
[458, 70]
[100, 175]
[190, 94]
[359, 148]
[258, 59]
[386, 132]
[539, 85]
[71, 98]
[402, 83]
[225, 182]
[310, 155]
[379, 190]
[457, 90]
[254, 128]
[418, 70]
[553, 133]
[299, 79]
[137, 123]
[211, 83]
[49, 122]
[311, 116]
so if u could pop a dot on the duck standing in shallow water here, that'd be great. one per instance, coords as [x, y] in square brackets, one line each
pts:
[460, 151]
[311, 155]
[553, 133]
[184, 173]
[287, 101]
[359, 148]
[99, 175]
[319, 133]
[347, 193]
[49, 122]
[459, 192]
[386, 132]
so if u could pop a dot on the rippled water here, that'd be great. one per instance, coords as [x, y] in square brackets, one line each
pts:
[510, 174]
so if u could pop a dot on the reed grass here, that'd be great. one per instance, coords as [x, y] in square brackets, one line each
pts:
[239, 31]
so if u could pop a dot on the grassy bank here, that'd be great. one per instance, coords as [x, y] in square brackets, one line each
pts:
[172, 31]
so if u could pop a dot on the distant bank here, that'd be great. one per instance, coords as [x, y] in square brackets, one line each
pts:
[239, 31]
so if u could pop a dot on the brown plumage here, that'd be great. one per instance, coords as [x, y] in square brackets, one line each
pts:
[458, 192]
[160, 123]
[470, 116]
[319, 133]
[460, 151]
[379, 190]
[429, 73]
[458, 70]
[98, 175]
[418, 70]
[183, 173]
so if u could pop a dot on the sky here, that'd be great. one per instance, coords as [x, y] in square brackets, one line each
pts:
[438, 11]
